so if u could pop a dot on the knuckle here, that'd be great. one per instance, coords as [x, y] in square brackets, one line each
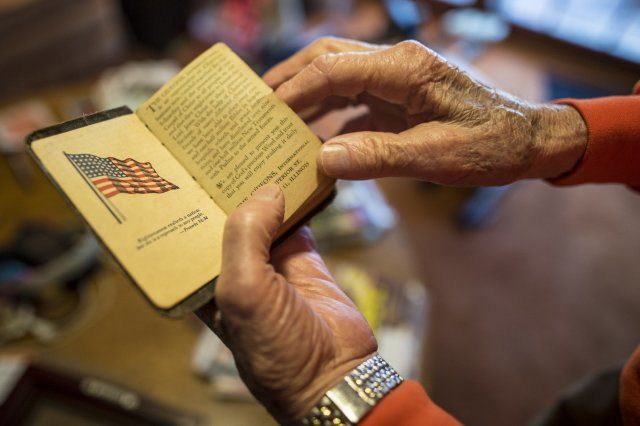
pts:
[317, 45]
[373, 154]
[325, 63]
[411, 47]
[396, 157]
[380, 157]
[329, 44]
[325, 45]
[420, 65]
[333, 44]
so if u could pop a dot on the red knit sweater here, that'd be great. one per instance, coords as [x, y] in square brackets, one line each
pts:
[612, 156]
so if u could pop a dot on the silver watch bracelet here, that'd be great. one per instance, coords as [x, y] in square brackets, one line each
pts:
[352, 398]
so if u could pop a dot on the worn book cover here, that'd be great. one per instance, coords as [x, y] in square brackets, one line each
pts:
[156, 185]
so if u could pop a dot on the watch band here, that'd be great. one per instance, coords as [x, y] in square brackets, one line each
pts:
[350, 400]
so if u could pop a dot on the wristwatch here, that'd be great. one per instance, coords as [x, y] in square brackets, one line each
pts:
[350, 400]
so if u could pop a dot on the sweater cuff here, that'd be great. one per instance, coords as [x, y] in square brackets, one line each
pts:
[408, 404]
[613, 148]
[630, 390]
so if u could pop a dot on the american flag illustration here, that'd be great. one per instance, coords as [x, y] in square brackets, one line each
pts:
[112, 176]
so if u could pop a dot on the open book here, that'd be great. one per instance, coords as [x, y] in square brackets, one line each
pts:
[157, 185]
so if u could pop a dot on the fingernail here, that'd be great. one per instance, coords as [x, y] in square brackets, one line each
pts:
[267, 192]
[334, 158]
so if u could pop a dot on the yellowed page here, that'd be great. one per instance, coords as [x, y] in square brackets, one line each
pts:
[164, 229]
[225, 125]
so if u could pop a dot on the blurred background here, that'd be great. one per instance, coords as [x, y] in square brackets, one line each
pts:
[498, 300]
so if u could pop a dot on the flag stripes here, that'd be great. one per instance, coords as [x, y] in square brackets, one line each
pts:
[112, 176]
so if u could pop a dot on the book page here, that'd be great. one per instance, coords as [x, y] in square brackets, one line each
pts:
[161, 226]
[225, 125]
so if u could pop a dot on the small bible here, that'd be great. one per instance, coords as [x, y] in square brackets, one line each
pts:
[156, 185]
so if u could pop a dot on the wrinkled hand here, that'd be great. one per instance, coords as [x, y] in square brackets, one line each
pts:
[292, 331]
[426, 119]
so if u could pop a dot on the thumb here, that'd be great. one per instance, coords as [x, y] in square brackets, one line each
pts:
[248, 234]
[366, 155]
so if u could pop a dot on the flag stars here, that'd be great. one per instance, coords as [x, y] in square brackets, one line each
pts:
[94, 166]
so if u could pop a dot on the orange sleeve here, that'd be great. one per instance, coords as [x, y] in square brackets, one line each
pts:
[408, 404]
[630, 391]
[613, 148]
[613, 155]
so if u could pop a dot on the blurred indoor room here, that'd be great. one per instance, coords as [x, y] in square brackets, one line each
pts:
[498, 300]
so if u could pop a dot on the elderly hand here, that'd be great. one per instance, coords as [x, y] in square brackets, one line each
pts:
[426, 119]
[292, 331]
